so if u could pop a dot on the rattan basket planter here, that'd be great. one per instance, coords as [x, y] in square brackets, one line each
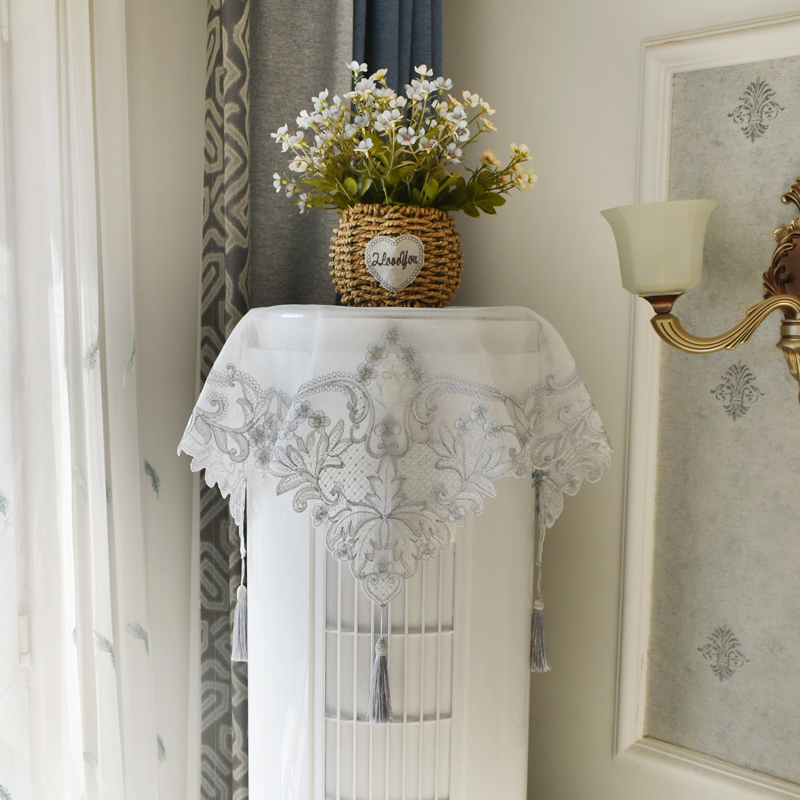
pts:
[438, 277]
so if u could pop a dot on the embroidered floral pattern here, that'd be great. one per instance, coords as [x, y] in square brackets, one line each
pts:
[387, 479]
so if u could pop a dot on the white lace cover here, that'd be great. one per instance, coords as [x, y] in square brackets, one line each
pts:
[392, 423]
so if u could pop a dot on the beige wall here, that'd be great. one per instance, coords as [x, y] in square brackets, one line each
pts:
[166, 78]
[564, 77]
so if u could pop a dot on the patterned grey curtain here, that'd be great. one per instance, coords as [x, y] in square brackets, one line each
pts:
[398, 35]
[223, 302]
[265, 61]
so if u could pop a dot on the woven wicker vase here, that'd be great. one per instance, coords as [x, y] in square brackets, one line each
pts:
[436, 282]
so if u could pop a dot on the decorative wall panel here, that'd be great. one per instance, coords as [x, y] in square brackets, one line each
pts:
[724, 635]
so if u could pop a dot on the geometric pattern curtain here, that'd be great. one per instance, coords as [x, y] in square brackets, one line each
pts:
[223, 302]
[264, 61]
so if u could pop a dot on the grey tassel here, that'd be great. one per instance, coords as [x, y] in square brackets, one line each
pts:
[538, 649]
[239, 638]
[380, 698]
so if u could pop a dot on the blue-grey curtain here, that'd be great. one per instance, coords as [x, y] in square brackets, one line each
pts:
[398, 35]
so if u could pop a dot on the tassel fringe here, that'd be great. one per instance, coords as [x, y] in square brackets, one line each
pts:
[538, 649]
[380, 698]
[239, 637]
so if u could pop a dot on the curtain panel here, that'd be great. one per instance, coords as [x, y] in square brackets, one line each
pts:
[265, 61]
[77, 710]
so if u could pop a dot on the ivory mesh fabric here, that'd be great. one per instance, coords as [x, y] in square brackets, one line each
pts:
[389, 424]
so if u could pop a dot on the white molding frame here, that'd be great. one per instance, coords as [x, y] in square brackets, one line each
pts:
[662, 59]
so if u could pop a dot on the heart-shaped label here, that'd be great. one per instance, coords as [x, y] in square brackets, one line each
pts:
[394, 261]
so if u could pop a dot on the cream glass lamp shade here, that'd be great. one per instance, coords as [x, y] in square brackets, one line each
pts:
[660, 244]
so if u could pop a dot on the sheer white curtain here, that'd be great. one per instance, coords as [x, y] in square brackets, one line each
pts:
[77, 715]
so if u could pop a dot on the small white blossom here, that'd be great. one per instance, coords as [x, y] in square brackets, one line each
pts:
[298, 165]
[280, 133]
[453, 151]
[277, 182]
[490, 157]
[445, 84]
[379, 75]
[360, 120]
[301, 203]
[406, 136]
[487, 109]
[354, 66]
[319, 101]
[364, 145]
[458, 114]
[365, 86]
[295, 138]
[423, 71]
[303, 121]
[486, 125]
[471, 99]
[519, 149]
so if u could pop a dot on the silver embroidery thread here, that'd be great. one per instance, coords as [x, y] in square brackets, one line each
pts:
[360, 473]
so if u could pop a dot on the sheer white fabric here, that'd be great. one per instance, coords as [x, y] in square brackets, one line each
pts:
[77, 716]
[390, 424]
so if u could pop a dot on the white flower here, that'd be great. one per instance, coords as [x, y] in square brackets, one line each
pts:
[423, 71]
[427, 144]
[414, 91]
[364, 145]
[487, 109]
[277, 182]
[319, 101]
[350, 130]
[398, 102]
[519, 149]
[280, 133]
[525, 179]
[445, 84]
[383, 91]
[379, 75]
[360, 120]
[486, 125]
[453, 152]
[295, 138]
[303, 121]
[336, 101]
[301, 203]
[365, 86]
[490, 157]
[291, 188]
[462, 133]
[471, 99]
[458, 114]
[354, 66]
[406, 136]
[298, 165]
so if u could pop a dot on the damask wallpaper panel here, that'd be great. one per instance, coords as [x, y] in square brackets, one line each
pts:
[724, 659]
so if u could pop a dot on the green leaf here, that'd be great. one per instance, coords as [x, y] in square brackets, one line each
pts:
[351, 187]
[432, 190]
[494, 199]
[407, 172]
[477, 190]
[416, 197]
[470, 210]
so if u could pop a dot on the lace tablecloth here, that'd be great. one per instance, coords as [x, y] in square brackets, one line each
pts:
[390, 424]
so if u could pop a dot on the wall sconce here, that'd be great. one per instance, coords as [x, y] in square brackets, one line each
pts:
[661, 256]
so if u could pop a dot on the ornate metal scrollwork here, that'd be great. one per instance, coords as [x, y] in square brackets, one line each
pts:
[782, 290]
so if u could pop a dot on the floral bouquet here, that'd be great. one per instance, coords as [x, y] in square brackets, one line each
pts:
[376, 147]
